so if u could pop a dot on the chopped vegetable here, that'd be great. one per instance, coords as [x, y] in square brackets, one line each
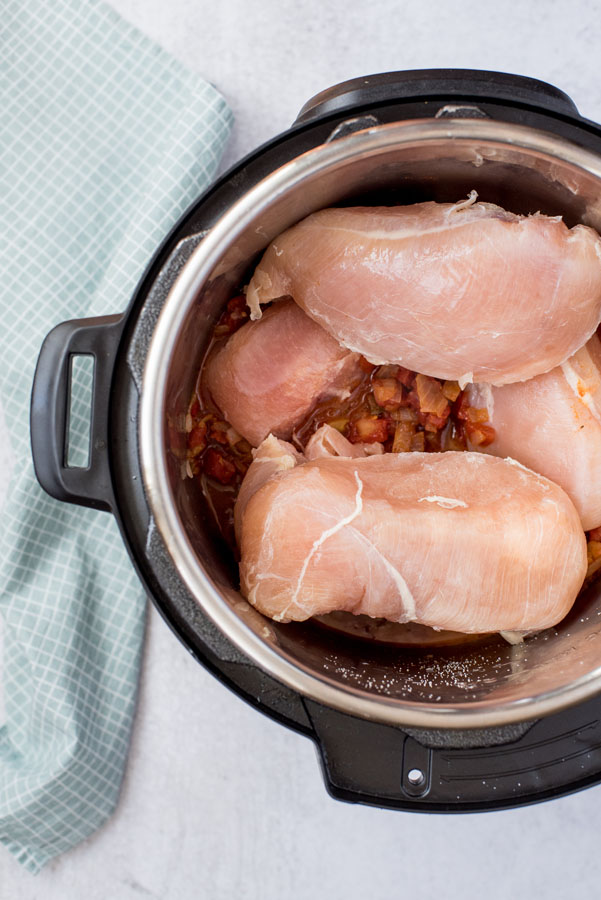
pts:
[368, 430]
[451, 390]
[480, 435]
[405, 376]
[366, 365]
[218, 432]
[339, 424]
[405, 414]
[477, 415]
[232, 436]
[403, 435]
[461, 407]
[216, 465]
[430, 395]
[433, 441]
[372, 405]
[454, 437]
[418, 442]
[388, 371]
[593, 551]
[388, 393]
[235, 315]
[432, 422]
[197, 440]
[412, 400]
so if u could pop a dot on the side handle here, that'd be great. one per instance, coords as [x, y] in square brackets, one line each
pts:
[88, 485]
[450, 770]
[433, 84]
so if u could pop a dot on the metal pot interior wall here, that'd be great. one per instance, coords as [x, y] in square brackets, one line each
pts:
[479, 682]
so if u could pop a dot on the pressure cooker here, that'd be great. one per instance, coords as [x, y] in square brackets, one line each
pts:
[451, 728]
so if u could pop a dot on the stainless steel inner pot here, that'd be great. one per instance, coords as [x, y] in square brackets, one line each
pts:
[479, 684]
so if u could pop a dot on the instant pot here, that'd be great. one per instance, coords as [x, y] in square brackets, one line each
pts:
[459, 727]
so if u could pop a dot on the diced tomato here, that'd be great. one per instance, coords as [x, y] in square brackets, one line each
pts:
[237, 309]
[435, 423]
[197, 439]
[405, 376]
[369, 430]
[195, 408]
[219, 432]
[595, 534]
[237, 304]
[235, 315]
[217, 466]
[412, 400]
[365, 365]
[461, 407]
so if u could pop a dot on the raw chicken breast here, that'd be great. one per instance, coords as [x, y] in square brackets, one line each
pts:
[460, 541]
[273, 456]
[270, 373]
[552, 424]
[466, 291]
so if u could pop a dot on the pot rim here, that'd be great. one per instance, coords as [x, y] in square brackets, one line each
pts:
[474, 714]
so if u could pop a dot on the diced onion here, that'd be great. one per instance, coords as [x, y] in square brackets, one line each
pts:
[431, 397]
[451, 390]
[403, 435]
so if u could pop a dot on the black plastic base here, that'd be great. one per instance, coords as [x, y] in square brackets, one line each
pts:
[558, 755]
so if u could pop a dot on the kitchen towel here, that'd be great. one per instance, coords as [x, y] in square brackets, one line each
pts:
[104, 141]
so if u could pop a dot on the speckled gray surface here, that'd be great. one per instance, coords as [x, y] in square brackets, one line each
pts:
[138, 348]
[219, 802]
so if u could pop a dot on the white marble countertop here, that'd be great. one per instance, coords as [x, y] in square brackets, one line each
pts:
[220, 802]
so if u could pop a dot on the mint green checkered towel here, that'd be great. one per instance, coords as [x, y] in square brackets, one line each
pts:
[104, 141]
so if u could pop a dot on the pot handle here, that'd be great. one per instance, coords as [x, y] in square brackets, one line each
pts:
[434, 84]
[366, 762]
[458, 771]
[88, 485]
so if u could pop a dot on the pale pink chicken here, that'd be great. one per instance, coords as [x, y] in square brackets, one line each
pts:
[270, 373]
[552, 424]
[460, 541]
[465, 292]
[273, 456]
